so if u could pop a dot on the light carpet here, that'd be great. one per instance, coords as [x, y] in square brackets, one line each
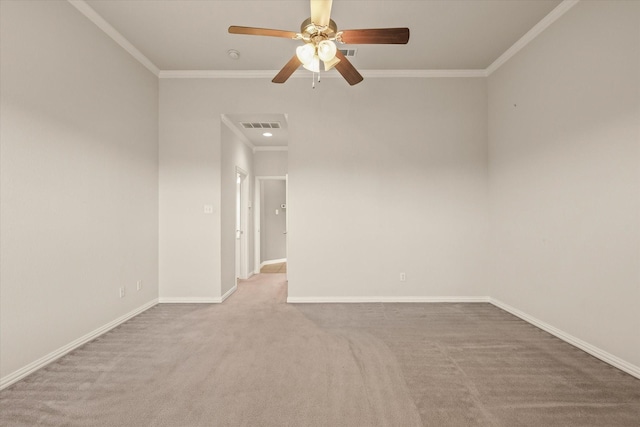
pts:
[257, 361]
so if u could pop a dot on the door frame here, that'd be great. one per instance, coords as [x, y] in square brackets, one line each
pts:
[257, 208]
[242, 245]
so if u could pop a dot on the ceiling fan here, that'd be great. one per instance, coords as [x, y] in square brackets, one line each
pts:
[319, 33]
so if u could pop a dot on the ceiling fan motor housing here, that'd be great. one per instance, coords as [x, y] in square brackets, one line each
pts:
[313, 33]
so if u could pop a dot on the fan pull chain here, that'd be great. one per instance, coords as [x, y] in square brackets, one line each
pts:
[313, 81]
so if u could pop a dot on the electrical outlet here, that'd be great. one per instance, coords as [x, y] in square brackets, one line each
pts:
[139, 285]
[403, 277]
[122, 292]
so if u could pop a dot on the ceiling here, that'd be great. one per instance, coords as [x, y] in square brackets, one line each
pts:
[445, 34]
[279, 137]
[191, 35]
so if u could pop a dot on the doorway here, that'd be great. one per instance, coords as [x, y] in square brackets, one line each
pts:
[271, 224]
[241, 220]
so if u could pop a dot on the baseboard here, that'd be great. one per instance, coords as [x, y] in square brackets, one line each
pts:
[190, 300]
[568, 338]
[272, 261]
[54, 355]
[198, 300]
[296, 300]
[229, 293]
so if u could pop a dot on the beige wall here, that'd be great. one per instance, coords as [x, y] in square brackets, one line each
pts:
[190, 146]
[234, 154]
[270, 163]
[273, 244]
[564, 144]
[398, 184]
[79, 180]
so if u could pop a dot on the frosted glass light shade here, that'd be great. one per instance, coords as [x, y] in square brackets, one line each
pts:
[306, 53]
[327, 50]
[313, 65]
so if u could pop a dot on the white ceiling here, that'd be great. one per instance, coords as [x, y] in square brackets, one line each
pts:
[279, 138]
[445, 34]
[192, 35]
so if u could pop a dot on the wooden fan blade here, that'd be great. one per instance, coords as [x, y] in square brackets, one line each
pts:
[376, 36]
[321, 11]
[348, 71]
[252, 31]
[287, 70]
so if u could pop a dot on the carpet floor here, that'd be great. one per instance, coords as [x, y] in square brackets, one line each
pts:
[257, 361]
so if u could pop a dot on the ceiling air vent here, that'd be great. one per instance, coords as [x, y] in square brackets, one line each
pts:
[260, 125]
[349, 52]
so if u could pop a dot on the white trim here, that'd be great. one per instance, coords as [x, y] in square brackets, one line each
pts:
[242, 264]
[198, 300]
[56, 354]
[229, 293]
[272, 261]
[190, 300]
[552, 17]
[219, 74]
[271, 148]
[268, 74]
[568, 338]
[257, 190]
[274, 177]
[420, 74]
[227, 121]
[332, 300]
[94, 17]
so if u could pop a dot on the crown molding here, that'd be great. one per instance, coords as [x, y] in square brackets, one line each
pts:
[422, 74]
[220, 74]
[534, 32]
[227, 121]
[268, 74]
[93, 16]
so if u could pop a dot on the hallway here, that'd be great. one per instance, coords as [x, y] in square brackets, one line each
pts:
[280, 267]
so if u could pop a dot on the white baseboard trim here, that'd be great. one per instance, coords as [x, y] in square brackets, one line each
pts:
[305, 300]
[272, 261]
[189, 300]
[229, 293]
[54, 355]
[198, 300]
[568, 338]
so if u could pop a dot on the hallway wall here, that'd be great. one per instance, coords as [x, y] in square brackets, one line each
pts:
[273, 244]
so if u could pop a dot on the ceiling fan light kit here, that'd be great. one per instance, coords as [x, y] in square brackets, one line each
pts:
[319, 33]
